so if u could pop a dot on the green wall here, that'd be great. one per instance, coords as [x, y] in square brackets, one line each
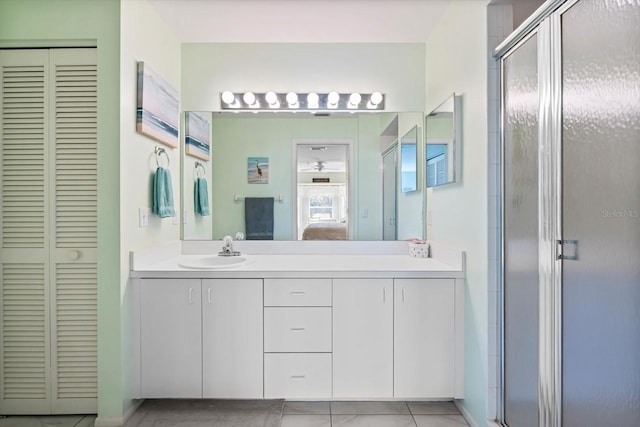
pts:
[72, 23]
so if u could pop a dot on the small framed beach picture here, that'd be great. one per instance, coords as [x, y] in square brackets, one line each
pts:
[258, 170]
[157, 114]
[197, 135]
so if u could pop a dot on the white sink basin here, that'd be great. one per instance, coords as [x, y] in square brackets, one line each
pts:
[206, 262]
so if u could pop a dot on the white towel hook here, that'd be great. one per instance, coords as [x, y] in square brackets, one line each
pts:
[199, 170]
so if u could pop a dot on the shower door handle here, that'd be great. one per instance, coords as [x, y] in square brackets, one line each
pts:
[567, 249]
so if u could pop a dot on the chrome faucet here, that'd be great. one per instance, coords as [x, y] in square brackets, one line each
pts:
[227, 249]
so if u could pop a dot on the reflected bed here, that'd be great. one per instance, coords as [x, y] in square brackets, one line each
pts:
[325, 231]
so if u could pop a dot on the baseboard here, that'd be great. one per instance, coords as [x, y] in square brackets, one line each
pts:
[465, 413]
[118, 421]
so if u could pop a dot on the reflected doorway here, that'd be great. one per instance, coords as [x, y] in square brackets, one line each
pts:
[323, 190]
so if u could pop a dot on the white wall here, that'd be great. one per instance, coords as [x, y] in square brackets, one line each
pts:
[456, 56]
[144, 37]
[395, 69]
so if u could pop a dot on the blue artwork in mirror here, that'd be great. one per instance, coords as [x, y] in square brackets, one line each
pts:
[409, 161]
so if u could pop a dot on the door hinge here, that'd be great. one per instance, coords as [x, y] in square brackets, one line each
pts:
[567, 249]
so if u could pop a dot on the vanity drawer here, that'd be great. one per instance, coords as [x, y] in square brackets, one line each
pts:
[297, 292]
[303, 376]
[297, 329]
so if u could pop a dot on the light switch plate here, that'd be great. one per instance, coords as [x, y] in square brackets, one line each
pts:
[143, 217]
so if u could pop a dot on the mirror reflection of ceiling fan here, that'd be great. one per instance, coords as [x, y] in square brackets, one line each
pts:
[320, 166]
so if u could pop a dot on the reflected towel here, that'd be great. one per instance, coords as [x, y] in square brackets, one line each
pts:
[201, 197]
[163, 194]
[258, 218]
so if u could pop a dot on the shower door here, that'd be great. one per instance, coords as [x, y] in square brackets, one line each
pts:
[520, 154]
[577, 180]
[601, 213]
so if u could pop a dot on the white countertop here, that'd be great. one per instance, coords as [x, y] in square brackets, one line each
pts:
[305, 265]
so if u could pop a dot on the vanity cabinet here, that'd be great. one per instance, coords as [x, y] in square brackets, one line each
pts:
[424, 338]
[171, 338]
[200, 338]
[232, 338]
[362, 338]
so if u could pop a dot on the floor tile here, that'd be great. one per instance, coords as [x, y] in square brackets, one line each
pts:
[372, 421]
[369, 408]
[46, 421]
[207, 412]
[433, 408]
[440, 420]
[306, 421]
[307, 408]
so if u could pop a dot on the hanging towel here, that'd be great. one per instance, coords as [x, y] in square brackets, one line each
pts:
[201, 197]
[258, 218]
[163, 194]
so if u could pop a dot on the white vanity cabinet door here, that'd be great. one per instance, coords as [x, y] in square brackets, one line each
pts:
[362, 338]
[170, 338]
[232, 338]
[424, 338]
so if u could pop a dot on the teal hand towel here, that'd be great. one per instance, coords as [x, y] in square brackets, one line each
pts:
[201, 197]
[163, 194]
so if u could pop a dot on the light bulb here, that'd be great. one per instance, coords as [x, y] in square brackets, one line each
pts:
[249, 98]
[332, 99]
[376, 98]
[312, 100]
[228, 97]
[292, 99]
[272, 99]
[354, 99]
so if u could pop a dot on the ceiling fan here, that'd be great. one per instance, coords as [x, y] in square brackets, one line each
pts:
[319, 166]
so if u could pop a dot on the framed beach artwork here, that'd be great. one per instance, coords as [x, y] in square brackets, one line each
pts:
[157, 114]
[258, 170]
[197, 135]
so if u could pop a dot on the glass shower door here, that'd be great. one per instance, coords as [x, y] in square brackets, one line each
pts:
[520, 154]
[601, 213]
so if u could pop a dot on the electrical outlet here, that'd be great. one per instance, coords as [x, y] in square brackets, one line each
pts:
[429, 217]
[144, 215]
[175, 220]
[365, 213]
[184, 216]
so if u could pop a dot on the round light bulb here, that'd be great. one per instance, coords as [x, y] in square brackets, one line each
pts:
[292, 99]
[313, 99]
[249, 98]
[271, 98]
[376, 98]
[354, 99]
[333, 99]
[228, 97]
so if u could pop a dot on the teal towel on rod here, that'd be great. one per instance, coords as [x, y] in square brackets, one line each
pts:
[201, 197]
[163, 194]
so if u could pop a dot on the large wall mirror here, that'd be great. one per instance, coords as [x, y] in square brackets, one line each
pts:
[275, 138]
[443, 142]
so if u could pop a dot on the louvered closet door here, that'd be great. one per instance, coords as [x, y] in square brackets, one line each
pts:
[73, 88]
[48, 360]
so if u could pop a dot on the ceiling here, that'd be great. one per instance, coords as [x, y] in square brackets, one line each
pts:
[301, 21]
[332, 158]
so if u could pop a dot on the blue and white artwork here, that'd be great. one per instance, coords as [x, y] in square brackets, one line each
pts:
[157, 114]
[197, 135]
[258, 170]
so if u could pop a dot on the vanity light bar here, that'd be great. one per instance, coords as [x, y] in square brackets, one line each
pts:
[293, 101]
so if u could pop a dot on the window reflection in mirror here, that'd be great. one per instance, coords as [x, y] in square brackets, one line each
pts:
[409, 161]
[442, 139]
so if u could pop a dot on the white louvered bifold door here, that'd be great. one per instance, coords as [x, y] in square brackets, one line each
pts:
[48, 231]
[74, 227]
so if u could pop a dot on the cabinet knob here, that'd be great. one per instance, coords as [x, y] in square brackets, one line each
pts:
[74, 255]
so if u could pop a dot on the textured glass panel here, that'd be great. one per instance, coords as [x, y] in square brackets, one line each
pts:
[521, 235]
[601, 210]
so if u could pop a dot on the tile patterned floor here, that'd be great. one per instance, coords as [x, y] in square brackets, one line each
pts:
[268, 413]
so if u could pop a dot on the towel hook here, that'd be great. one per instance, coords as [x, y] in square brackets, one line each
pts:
[159, 151]
[199, 170]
